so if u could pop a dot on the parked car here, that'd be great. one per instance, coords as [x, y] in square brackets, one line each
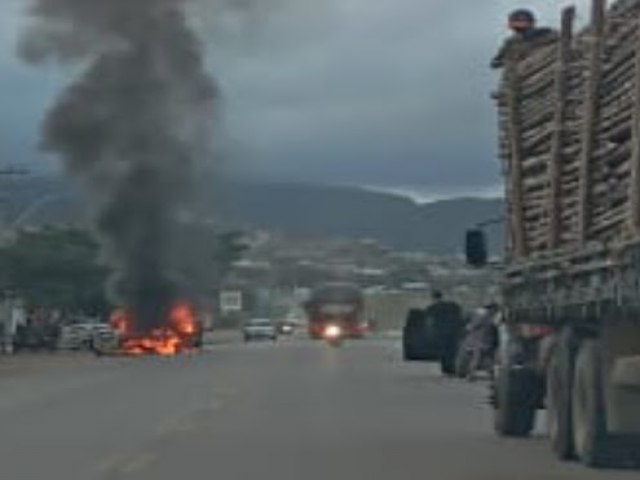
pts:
[259, 329]
[80, 336]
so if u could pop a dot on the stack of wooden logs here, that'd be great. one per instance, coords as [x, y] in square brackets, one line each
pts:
[532, 83]
[610, 167]
[568, 153]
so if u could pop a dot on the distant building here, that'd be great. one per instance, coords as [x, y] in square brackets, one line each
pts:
[231, 301]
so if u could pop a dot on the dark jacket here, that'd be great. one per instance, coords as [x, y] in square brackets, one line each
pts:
[446, 319]
[520, 44]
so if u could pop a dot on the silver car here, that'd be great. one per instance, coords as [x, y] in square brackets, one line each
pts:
[259, 329]
[81, 336]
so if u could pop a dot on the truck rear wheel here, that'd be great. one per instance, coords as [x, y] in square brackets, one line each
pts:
[410, 356]
[589, 414]
[559, 387]
[410, 353]
[515, 411]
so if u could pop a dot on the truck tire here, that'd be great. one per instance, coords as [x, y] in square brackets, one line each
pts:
[559, 389]
[407, 351]
[515, 412]
[589, 414]
[408, 355]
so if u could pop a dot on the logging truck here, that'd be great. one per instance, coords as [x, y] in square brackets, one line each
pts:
[569, 118]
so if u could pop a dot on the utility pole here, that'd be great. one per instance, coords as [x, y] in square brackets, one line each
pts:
[7, 309]
[9, 172]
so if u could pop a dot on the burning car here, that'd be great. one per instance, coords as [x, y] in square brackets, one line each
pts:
[181, 332]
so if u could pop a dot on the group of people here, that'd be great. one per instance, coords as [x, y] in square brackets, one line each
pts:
[465, 346]
[441, 332]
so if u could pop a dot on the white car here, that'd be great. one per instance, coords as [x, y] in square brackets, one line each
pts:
[80, 336]
[259, 328]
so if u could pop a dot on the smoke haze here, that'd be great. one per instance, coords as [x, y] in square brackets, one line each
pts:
[132, 129]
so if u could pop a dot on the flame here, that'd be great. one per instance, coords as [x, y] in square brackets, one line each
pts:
[120, 321]
[182, 319]
[161, 342]
[178, 336]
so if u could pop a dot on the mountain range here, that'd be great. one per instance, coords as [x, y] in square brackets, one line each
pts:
[350, 212]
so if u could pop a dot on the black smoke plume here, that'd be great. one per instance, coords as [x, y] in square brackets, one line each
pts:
[132, 128]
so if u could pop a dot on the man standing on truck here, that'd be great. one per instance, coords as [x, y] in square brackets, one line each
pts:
[447, 324]
[526, 34]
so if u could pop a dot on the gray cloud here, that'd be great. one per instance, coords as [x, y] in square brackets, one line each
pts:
[373, 92]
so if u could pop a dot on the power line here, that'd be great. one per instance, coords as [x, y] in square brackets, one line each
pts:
[14, 171]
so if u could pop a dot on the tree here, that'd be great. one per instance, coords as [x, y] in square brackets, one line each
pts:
[55, 268]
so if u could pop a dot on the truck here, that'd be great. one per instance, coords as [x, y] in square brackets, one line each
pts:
[336, 303]
[569, 142]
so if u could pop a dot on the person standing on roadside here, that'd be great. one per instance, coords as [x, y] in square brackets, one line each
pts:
[482, 338]
[447, 323]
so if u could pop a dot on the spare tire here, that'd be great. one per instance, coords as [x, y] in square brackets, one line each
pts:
[515, 411]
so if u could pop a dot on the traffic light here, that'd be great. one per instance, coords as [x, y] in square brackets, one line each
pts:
[476, 248]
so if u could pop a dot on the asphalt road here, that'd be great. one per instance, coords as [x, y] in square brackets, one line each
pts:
[292, 411]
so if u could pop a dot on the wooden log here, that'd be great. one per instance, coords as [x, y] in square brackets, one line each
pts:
[534, 64]
[535, 162]
[533, 142]
[515, 188]
[621, 33]
[536, 195]
[537, 122]
[633, 218]
[620, 134]
[531, 213]
[532, 133]
[570, 213]
[624, 9]
[538, 86]
[533, 104]
[534, 184]
[537, 60]
[610, 219]
[598, 15]
[540, 120]
[619, 65]
[608, 128]
[534, 82]
[618, 95]
[570, 196]
[532, 109]
[557, 140]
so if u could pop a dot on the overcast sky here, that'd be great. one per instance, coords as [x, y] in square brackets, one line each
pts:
[386, 93]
